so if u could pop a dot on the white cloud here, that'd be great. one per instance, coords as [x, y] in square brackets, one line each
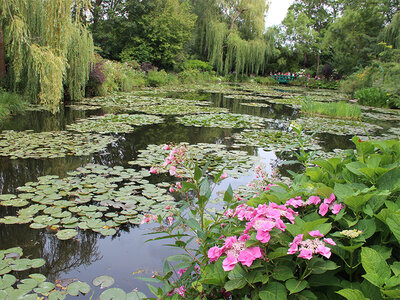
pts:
[277, 11]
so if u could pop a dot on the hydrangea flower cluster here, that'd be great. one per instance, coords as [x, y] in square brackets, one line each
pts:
[236, 251]
[351, 234]
[311, 246]
[328, 204]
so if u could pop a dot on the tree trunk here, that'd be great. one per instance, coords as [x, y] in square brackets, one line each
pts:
[318, 62]
[2, 55]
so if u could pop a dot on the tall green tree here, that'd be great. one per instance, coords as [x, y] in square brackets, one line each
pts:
[230, 34]
[46, 49]
[392, 32]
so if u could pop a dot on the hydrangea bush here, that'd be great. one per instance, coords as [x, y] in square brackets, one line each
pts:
[332, 234]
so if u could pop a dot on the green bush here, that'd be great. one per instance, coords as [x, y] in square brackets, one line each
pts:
[159, 78]
[196, 76]
[195, 64]
[373, 97]
[11, 103]
[264, 80]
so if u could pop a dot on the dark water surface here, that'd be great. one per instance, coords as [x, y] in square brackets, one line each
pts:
[91, 254]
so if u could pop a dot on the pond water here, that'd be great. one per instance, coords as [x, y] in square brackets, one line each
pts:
[125, 255]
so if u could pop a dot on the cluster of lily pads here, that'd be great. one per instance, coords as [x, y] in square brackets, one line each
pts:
[110, 123]
[93, 197]
[234, 162]
[270, 139]
[29, 144]
[336, 126]
[227, 120]
[255, 104]
[36, 287]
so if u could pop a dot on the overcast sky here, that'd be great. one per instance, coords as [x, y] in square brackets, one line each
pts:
[277, 11]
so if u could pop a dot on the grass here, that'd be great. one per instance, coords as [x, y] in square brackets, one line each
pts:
[11, 103]
[339, 109]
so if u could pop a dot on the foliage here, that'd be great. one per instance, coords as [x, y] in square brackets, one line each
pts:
[332, 109]
[372, 97]
[195, 64]
[264, 80]
[392, 31]
[333, 231]
[11, 103]
[316, 83]
[159, 78]
[46, 49]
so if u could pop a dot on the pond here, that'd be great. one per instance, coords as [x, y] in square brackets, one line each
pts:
[85, 220]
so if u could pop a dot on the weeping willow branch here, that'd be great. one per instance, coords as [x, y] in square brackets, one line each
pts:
[47, 49]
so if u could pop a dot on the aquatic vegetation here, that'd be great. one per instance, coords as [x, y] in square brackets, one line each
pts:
[29, 144]
[255, 104]
[228, 120]
[332, 109]
[183, 109]
[245, 97]
[269, 139]
[235, 163]
[93, 197]
[122, 123]
[79, 106]
[339, 127]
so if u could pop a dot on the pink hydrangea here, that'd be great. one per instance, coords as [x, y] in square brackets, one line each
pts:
[307, 248]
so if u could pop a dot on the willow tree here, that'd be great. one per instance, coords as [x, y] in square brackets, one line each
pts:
[230, 34]
[392, 32]
[49, 52]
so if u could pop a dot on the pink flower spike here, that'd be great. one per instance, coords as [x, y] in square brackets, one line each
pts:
[336, 208]
[315, 233]
[178, 185]
[224, 175]
[182, 271]
[323, 209]
[166, 147]
[329, 241]
[170, 220]
[153, 170]
[306, 254]
[171, 189]
[229, 263]
[214, 253]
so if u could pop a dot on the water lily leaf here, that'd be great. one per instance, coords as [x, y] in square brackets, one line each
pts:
[77, 287]
[28, 284]
[135, 296]
[57, 295]
[37, 262]
[107, 231]
[44, 288]
[103, 281]
[66, 234]
[38, 277]
[7, 281]
[113, 294]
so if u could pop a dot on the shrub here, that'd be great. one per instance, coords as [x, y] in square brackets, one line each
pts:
[334, 231]
[373, 97]
[195, 64]
[11, 103]
[159, 78]
[265, 80]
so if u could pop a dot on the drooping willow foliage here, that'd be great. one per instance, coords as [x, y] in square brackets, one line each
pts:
[49, 53]
[392, 32]
[230, 34]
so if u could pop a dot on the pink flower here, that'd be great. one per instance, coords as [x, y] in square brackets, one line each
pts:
[181, 291]
[230, 240]
[336, 208]
[244, 238]
[330, 241]
[214, 253]
[182, 271]
[330, 200]
[229, 263]
[171, 189]
[324, 251]
[166, 147]
[315, 233]
[178, 185]
[263, 236]
[314, 200]
[168, 207]
[323, 209]
[224, 175]
[247, 256]
[306, 253]
[170, 220]
[172, 171]
[153, 170]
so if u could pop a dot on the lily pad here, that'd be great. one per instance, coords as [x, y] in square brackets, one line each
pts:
[113, 294]
[77, 287]
[66, 234]
[103, 281]
[227, 120]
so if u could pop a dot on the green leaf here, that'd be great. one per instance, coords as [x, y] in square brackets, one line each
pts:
[235, 284]
[375, 266]
[390, 181]
[294, 286]
[282, 273]
[78, 287]
[228, 196]
[396, 268]
[214, 274]
[113, 294]
[197, 173]
[320, 266]
[103, 281]
[187, 186]
[273, 291]
[393, 221]
[351, 294]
